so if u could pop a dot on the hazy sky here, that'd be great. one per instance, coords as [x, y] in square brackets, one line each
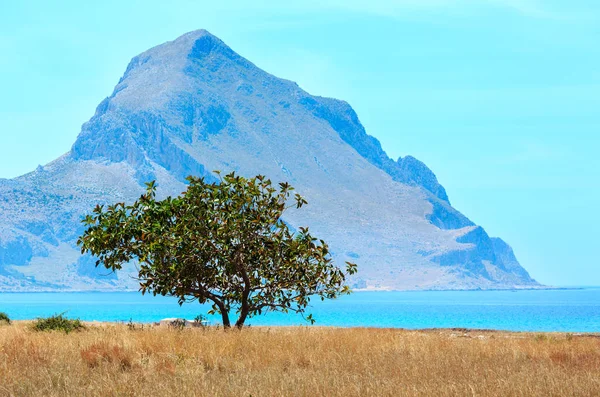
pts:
[501, 98]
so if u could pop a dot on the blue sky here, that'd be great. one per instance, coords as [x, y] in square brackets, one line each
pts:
[501, 98]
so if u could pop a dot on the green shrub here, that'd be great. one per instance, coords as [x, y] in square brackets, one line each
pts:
[58, 322]
[178, 324]
[200, 321]
[4, 318]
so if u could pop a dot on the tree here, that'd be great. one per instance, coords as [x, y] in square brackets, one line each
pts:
[220, 242]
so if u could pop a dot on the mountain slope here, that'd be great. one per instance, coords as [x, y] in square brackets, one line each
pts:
[193, 105]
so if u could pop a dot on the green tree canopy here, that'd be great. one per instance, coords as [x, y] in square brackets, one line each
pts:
[220, 242]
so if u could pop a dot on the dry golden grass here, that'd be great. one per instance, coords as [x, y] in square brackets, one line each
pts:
[113, 360]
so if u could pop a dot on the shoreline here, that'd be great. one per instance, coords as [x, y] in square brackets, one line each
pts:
[362, 290]
[567, 310]
[465, 330]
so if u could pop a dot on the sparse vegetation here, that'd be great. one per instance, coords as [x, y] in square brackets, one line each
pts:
[58, 322]
[4, 319]
[134, 326]
[301, 361]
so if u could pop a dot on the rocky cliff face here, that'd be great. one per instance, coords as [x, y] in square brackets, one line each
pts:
[193, 105]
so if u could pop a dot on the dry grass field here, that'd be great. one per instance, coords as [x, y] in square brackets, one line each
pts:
[113, 360]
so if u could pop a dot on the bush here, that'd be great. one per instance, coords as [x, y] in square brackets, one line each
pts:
[4, 318]
[58, 322]
[200, 321]
[178, 324]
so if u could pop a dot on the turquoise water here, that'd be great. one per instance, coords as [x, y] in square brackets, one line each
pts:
[548, 310]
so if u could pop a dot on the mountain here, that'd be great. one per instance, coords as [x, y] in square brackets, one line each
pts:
[193, 105]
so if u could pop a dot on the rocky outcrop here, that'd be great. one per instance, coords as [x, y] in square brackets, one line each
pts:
[343, 120]
[506, 260]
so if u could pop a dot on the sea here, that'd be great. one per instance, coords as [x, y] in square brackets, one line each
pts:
[558, 310]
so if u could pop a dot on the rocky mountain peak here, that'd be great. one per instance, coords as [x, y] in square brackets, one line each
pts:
[193, 105]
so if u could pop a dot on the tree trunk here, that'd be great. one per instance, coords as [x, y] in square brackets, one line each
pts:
[243, 315]
[245, 309]
[225, 316]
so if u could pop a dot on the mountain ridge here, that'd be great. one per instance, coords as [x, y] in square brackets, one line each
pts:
[192, 105]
